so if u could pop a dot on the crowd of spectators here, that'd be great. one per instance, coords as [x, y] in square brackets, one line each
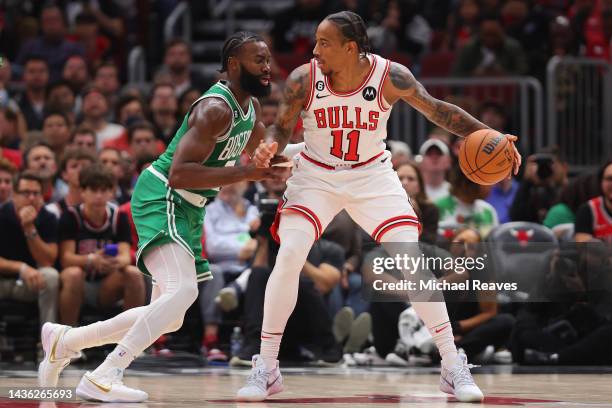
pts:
[74, 137]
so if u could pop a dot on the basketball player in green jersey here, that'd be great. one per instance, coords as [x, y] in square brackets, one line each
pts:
[168, 210]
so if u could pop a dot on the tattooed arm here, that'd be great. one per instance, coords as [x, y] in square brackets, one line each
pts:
[295, 95]
[401, 84]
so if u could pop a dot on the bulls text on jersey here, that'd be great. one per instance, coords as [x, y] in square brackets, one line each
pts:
[344, 117]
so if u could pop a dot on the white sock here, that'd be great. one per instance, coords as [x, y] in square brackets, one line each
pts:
[282, 287]
[120, 357]
[433, 313]
[270, 344]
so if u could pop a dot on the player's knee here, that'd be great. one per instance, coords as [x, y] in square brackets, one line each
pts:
[187, 294]
[72, 276]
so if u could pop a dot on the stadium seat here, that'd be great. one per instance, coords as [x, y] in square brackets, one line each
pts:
[519, 253]
[437, 64]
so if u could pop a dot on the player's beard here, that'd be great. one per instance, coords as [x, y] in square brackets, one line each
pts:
[252, 84]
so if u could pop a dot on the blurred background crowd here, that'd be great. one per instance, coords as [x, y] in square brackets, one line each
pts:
[92, 91]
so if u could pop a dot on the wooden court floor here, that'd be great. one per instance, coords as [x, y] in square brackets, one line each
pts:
[340, 387]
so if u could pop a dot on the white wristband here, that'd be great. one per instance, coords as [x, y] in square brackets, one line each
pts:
[293, 149]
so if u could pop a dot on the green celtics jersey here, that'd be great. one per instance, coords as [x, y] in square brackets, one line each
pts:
[229, 147]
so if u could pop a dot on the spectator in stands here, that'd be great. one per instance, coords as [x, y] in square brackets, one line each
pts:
[562, 326]
[95, 112]
[345, 232]
[28, 248]
[187, 99]
[527, 23]
[491, 53]
[465, 205]
[294, 28]
[473, 313]
[108, 15]
[402, 29]
[56, 131]
[435, 163]
[76, 73]
[129, 110]
[111, 159]
[86, 33]
[6, 91]
[310, 325]
[32, 100]
[544, 177]
[229, 221]
[12, 128]
[40, 159]
[269, 111]
[177, 65]
[562, 216]
[84, 138]
[594, 218]
[52, 46]
[400, 152]
[164, 107]
[7, 172]
[142, 140]
[462, 24]
[502, 194]
[61, 98]
[412, 181]
[14, 156]
[95, 251]
[561, 42]
[73, 161]
[106, 78]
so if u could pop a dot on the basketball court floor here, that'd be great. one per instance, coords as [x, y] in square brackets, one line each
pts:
[504, 386]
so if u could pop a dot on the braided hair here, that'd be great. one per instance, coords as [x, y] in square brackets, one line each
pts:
[353, 28]
[233, 43]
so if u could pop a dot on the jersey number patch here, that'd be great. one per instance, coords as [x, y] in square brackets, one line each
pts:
[353, 146]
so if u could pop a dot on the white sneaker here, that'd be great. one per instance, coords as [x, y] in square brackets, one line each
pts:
[458, 381]
[261, 382]
[56, 357]
[108, 388]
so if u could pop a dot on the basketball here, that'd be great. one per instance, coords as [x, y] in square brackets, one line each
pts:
[486, 157]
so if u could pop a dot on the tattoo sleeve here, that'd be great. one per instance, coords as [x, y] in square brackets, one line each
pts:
[444, 114]
[295, 93]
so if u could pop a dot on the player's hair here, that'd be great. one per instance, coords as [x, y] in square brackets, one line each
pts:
[353, 28]
[74, 153]
[96, 177]
[233, 44]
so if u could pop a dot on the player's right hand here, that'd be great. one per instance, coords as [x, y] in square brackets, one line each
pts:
[264, 153]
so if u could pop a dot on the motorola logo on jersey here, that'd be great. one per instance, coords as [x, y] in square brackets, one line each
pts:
[320, 85]
[369, 93]
[345, 117]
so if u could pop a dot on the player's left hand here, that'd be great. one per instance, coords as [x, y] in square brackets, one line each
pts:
[264, 153]
[517, 156]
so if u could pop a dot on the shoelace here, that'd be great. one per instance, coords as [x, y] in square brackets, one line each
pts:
[258, 378]
[463, 375]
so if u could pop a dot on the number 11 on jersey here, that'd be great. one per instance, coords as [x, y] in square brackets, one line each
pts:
[353, 145]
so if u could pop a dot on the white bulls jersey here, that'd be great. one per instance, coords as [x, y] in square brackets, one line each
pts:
[346, 128]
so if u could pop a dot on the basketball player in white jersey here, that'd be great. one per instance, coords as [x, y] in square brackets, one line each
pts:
[345, 97]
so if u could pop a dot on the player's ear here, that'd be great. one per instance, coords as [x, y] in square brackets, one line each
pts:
[232, 63]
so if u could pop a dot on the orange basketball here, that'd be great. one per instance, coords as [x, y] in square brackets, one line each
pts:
[485, 157]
